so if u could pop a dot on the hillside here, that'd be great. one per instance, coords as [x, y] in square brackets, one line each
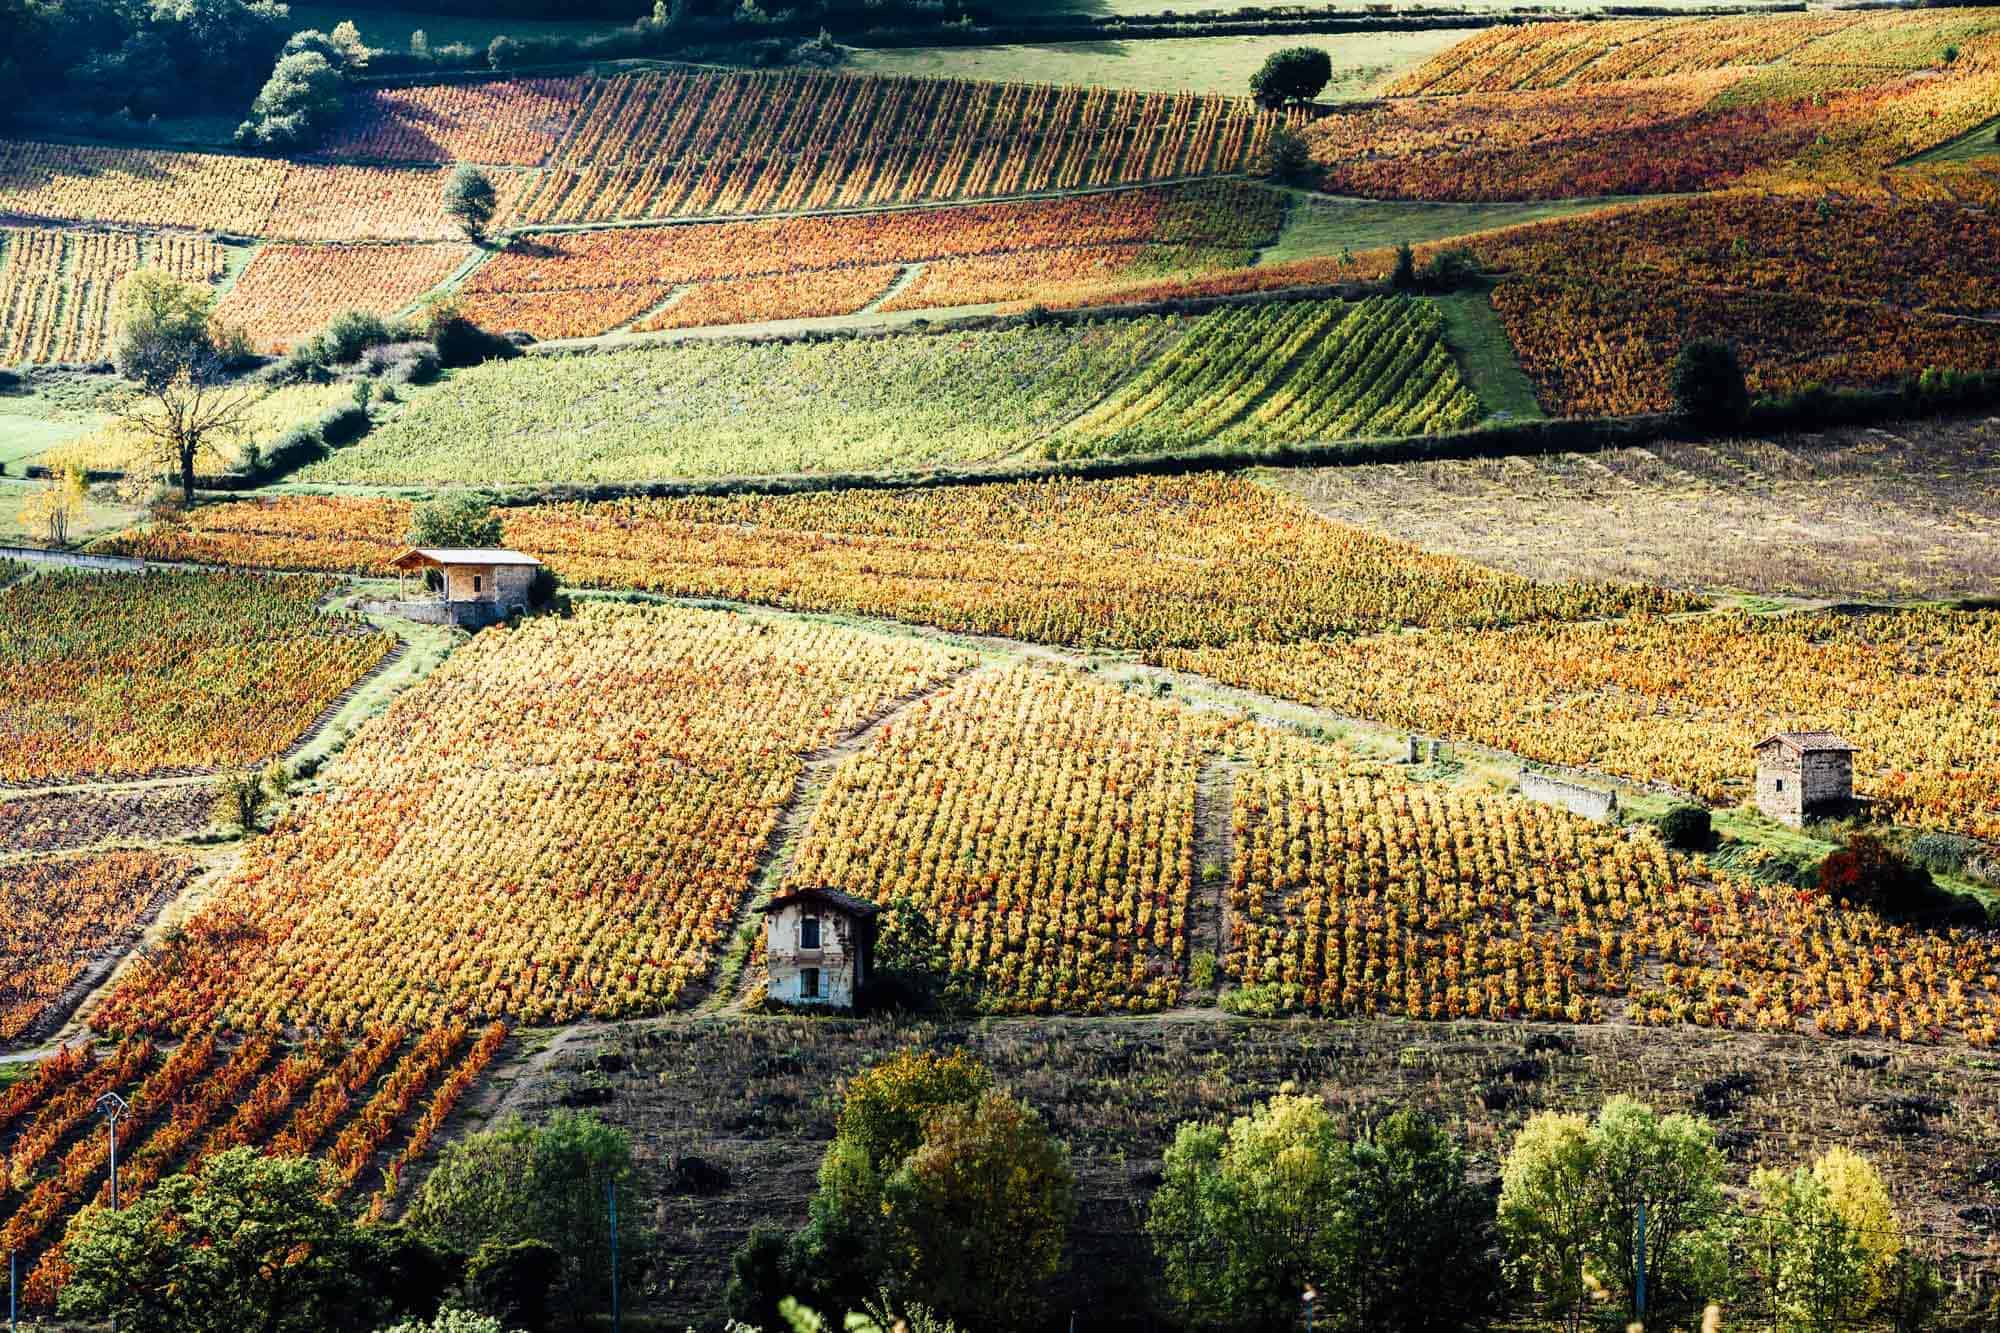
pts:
[1249, 581]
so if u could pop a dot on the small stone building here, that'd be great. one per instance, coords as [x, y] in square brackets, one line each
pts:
[1804, 773]
[475, 587]
[819, 947]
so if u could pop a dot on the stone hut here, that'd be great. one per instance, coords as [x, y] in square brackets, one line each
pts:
[475, 587]
[1804, 773]
[819, 946]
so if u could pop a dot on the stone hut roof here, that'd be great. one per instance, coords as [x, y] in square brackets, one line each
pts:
[1806, 742]
[834, 898]
[422, 557]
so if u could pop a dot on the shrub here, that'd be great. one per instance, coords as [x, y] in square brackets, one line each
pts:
[1835, 1237]
[1708, 385]
[300, 100]
[1287, 157]
[503, 52]
[1687, 828]
[1868, 873]
[462, 343]
[348, 335]
[342, 424]
[1448, 271]
[455, 520]
[512, 1283]
[1404, 277]
[1294, 74]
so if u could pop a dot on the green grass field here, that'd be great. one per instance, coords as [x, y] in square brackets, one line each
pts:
[1201, 64]
[391, 28]
[1486, 357]
[23, 437]
[1318, 226]
[1979, 143]
[99, 515]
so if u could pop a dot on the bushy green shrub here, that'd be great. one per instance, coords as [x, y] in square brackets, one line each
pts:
[1687, 828]
[298, 103]
[1708, 385]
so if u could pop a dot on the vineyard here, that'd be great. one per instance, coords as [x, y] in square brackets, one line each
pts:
[1141, 563]
[1044, 822]
[136, 675]
[459, 866]
[562, 285]
[252, 196]
[57, 288]
[1555, 110]
[512, 121]
[662, 145]
[59, 914]
[1285, 373]
[1361, 895]
[1681, 702]
[834, 406]
[291, 291]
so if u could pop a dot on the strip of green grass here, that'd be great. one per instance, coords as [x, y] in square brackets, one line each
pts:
[1318, 227]
[1486, 355]
[1980, 143]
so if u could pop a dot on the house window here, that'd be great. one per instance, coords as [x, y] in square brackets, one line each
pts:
[809, 932]
[1781, 784]
[475, 583]
[808, 983]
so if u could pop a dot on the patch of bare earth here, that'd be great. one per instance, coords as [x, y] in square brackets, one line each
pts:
[1907, 512]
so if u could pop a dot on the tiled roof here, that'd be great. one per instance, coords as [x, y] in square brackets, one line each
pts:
[845, 902]
[1806, 742]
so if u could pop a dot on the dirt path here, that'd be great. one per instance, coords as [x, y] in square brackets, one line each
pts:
[1215, 866]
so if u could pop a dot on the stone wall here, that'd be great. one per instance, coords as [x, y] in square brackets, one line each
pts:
[1590, 802]
[838, 959]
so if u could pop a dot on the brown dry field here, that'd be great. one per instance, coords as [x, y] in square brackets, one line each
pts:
[1911, 512]
[758, 1097]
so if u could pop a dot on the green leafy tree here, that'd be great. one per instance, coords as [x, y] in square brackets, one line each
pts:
[1669, 1166]
[1549, 1211]
[250, 1245]
[1407, 1215]
[1570, 1196]
[1708, 385]
[161, 326]
[512, 1283]
[1294, 74]
[297, 105]
[1404, 277]
[1247, 1217]
[977, 1217]
[549, 1183]
[1287, 156]
[461, 520]
[470, 199]
[1827, 1233]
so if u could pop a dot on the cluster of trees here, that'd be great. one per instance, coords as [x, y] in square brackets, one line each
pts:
[511, 1231]
[1621, 1214]
[136, 58]
[944, 1202]
[939, 1191]
[301, 100]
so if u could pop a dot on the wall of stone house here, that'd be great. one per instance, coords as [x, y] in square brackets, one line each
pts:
[1828, 776]
[837, 958]
[505, 584]
[1574, 797]
[1776, 764]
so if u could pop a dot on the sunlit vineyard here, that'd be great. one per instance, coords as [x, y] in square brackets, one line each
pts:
[678, 145]
[1286, 373]
[57, 288]
[459, 866]
[1142, 563]
[149, 673]
[292, 291]
[1359, 894]
[515, 121]
[834, 406]
[577, 284]
[1681, 702]
[1044, 822]
[59, 914]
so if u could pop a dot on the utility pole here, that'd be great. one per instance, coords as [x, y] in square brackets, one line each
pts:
[611, 1193]
[13, 1286]
[1639, 1284]
[113, 1108]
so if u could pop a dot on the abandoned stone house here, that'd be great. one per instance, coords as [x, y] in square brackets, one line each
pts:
[1802, 774]
[474, 587]
[819, 947]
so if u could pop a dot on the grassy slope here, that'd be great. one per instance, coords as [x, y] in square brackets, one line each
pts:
[1320, 226]
[1968, 147]
[1203, 64]
[1486, 357]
